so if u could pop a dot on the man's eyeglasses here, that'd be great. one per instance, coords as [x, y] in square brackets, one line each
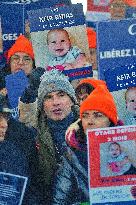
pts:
[25, 59]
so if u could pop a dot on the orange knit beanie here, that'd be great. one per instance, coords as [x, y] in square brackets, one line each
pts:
[91, 37]
[22, 44]
[131, 3]
[100, 100]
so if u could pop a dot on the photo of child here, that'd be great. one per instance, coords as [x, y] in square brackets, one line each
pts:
[130, 99]
[117, 158]
[118, 161]
[64, 55]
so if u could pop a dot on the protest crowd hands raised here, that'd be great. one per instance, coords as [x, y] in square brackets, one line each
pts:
[43, 118]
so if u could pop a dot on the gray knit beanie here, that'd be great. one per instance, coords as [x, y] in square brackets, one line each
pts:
[52, 81]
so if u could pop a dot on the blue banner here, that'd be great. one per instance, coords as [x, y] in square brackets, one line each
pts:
[12, 20]
[58, 17]
[116, 41]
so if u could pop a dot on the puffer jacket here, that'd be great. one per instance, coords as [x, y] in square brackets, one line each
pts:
[71, 183]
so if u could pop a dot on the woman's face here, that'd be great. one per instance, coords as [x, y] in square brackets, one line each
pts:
[92, 119]
[21, 60]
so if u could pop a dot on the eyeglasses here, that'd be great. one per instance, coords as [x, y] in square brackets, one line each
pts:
[25, 59]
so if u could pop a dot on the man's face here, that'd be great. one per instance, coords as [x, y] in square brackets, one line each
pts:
[131, 101]
[58, 43]
[92, 119]
[57, 105]
[3, 128]
[21, 60]
[117, 9]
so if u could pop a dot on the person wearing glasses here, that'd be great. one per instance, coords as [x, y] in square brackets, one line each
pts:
[20, 57]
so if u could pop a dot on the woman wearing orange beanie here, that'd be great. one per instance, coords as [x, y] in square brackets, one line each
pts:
[98, 110]
[19, 57]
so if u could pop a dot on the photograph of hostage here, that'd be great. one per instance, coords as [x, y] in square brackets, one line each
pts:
[64, 55]
[130, 98]
[119, 162]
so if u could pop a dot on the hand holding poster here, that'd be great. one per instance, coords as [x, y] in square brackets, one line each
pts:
[112, 165]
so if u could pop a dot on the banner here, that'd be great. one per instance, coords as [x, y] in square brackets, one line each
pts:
[112, 165]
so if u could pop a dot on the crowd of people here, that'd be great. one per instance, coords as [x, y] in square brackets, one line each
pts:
[47, 141]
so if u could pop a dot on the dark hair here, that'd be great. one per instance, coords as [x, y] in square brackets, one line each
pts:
[88, 87]
[114, 143]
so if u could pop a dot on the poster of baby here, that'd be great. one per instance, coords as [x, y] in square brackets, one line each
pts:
[112, 165]
[60, 41]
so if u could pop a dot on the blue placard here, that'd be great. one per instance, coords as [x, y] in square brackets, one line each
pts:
[12, 21]
[121, 77]
[58, 17]
[12, 188]
[79, 73]
[116, 42]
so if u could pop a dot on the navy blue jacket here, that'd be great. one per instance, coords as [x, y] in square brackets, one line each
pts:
[20, 157]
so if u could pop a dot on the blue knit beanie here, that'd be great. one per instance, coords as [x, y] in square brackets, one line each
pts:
[52, 81]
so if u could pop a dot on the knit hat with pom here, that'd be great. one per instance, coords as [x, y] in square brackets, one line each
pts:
[52, 81]
[91, 37]
[100, 100]
[22, 44]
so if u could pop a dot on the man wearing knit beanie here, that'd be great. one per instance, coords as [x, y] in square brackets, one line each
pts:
[85, 87]
[98, 110]
[56, 111]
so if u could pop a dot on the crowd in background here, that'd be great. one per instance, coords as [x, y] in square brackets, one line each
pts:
[47, 141]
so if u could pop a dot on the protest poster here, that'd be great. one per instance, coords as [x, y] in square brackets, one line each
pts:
[116, 44]
[12, 24]
[97, 10]
[66, 22]
[112, 165]
[12, 188]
